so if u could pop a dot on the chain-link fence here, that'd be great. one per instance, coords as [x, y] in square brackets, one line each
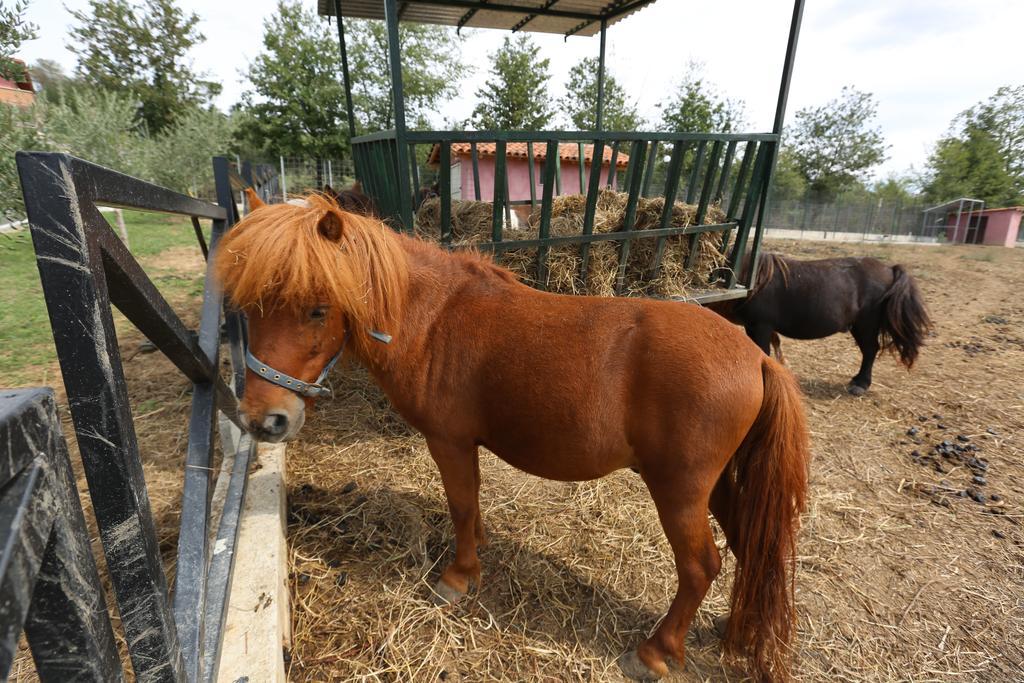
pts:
[870, 218]
[300, 175]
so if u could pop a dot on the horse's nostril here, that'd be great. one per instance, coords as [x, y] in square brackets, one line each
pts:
[275, 424]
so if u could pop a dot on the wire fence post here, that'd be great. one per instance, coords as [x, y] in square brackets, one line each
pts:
[121, 227]
[238, 168]
[284, 183]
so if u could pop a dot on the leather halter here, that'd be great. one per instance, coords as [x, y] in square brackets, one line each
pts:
[308, 389]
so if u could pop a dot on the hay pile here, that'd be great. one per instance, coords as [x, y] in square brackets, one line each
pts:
[369, 530]
[471, 225]
[892, 584]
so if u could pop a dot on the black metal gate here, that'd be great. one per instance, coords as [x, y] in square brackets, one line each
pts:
[85, 268]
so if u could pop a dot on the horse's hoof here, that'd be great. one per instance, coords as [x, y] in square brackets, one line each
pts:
[856, 390]
[443, 594]
[721, 623]
[634, 668]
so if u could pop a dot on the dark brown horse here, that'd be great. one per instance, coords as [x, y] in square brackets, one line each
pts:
[563, 387]
[878, 304]
[353, 200]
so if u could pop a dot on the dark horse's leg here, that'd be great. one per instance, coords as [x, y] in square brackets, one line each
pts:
[865, 332]
[685, 521]
[762, 335]
[460, 473]
[777, 345]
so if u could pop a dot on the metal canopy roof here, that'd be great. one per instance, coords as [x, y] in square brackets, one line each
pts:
[566, 17]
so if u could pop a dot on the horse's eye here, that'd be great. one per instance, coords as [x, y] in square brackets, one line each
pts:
[319, 314]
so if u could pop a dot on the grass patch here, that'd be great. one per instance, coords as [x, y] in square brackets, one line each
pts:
[25, 339]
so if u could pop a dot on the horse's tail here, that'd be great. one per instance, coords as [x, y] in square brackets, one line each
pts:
[767, 482]
[905, 320]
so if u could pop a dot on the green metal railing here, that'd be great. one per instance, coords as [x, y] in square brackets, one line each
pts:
[698, 168]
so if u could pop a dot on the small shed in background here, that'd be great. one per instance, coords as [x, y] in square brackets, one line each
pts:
[525, 167]
[997, 227]
[19, 92]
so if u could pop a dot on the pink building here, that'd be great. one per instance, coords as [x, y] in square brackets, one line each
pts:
[18, 92]
[998, 227]
[518, 168]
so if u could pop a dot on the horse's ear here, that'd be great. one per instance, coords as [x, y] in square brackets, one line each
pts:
[254, 199]
[328, 189]
[330, 226]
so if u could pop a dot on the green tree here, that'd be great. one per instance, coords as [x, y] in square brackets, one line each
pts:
[142, 50]
[14, 30]
[697, 107]
[91, 124]
[836, 145]
[180, 158]
[580, 102]
[47, 75]
[296, 105]
[1002, 117]
[431, 71]
[787, 181]
[18, 130]
[515, 97]
[970, 164]
[895, 188]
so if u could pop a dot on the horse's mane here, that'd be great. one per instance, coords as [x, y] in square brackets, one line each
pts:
[276, 257]
[767, 266]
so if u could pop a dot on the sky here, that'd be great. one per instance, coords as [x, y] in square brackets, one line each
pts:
[924, 60]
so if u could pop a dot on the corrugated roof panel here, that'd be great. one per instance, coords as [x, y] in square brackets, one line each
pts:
[447, 15]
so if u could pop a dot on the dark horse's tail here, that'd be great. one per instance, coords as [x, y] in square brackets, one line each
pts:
[767, 483]
[905, 320]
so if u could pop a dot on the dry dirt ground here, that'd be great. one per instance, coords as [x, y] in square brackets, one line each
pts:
[900, 577]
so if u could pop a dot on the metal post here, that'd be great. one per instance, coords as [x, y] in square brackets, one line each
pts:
[241, 193]
[398, 101]
[344, 72]
[284, 185]
[600, 82]
[330, 174]
[959, 214]
[780, 117]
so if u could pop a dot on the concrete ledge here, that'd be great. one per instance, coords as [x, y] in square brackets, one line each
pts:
[259, 620]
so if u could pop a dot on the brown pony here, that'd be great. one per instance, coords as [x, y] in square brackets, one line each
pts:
[563, 387]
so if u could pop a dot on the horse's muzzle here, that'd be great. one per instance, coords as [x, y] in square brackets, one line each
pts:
[273, 426]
